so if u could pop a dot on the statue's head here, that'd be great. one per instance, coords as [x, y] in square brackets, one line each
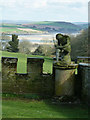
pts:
[66, 37]
[62, 39]
[59, 36]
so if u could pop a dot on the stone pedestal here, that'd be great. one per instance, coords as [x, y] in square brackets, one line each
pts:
[64, 79]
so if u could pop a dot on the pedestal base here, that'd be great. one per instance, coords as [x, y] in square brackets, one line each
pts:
[64, 80]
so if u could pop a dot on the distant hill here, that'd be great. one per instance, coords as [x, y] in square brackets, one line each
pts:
[47, 26]
[83, 25]
[78, 23]
[50, 26]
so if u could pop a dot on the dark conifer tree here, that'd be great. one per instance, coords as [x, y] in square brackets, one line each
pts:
[13, 45]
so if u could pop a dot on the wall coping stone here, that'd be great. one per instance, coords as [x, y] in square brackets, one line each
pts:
[85, 64]
[71, 66]
[34, 58]
[11, 57]
[82, 57]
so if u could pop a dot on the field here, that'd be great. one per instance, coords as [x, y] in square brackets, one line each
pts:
[19, 29]
[41, 27]
[22, 61]
[8, 30]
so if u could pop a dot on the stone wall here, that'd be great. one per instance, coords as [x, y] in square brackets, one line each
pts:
[35, 82]
[84, 76]
[32, 82]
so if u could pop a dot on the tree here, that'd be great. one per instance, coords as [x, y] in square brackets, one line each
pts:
[26, 47]
[13, 45]
[39, 50]
[79, 45]
[45, 50]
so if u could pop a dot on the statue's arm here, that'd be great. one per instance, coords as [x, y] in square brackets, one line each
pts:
[59, 47]
[67, 45]
[62, 47]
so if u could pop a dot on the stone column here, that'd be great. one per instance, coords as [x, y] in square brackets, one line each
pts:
[64, 79]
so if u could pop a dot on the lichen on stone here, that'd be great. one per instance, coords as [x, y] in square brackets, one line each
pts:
[63, 49]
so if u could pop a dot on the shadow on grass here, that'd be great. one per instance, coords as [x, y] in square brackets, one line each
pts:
[26, 108]
[68, 110]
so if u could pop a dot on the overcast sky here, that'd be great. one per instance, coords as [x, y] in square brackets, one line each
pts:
[45, 10]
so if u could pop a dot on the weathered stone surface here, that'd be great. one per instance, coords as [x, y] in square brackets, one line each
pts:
[35, 66]
[64, 80]
[84, 75]
[32, 82]
[63, 49]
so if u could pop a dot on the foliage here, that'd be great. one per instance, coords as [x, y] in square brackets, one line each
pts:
[45, 50]
[39, 51]
[0, 46]
[79, 44]
[3, 43]
[13, 45]
[25, 47]
[4, 37]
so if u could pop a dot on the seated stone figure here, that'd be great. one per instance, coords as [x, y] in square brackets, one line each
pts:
[63, 49]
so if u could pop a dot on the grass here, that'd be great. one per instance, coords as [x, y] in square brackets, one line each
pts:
[22, 61]
[11, 26]
[6, 29]
[16, 108]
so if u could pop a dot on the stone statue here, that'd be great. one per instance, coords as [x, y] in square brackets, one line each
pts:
[63, 49]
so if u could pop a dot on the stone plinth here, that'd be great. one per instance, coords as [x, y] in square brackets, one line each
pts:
[64, 80]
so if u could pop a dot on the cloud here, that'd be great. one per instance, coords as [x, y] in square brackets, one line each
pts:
[38, 4]
[24, 3]
[45, 9]
[69, 1]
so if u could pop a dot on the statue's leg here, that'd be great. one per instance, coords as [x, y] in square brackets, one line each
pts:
[57, 55]
[67, 59]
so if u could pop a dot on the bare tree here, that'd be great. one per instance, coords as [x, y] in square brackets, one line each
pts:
[26, 47]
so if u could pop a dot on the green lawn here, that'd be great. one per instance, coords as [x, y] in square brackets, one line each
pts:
[22, 61]
[41, 109]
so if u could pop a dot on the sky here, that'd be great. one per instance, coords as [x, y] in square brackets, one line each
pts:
[44, 10]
